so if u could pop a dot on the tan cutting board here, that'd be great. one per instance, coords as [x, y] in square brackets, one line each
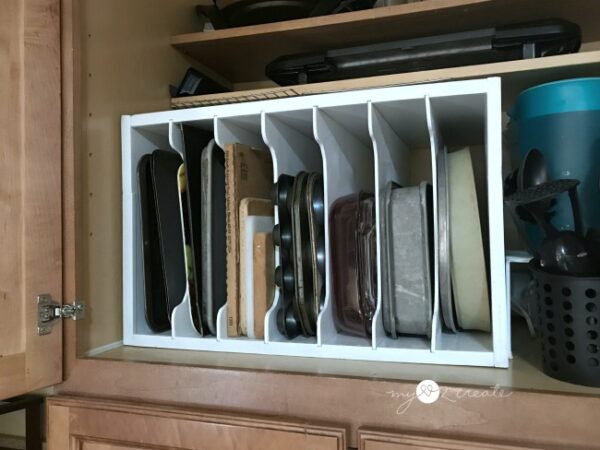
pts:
[264, 284]
[248, 173]
[248, 207]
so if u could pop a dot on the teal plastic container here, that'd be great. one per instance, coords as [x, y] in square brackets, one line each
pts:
[562, 120]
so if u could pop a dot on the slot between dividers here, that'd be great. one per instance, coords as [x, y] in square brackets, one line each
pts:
[288, 135]
[398, 129]
[347, 169]
[456, 121]
[237, 130]
[136, 142]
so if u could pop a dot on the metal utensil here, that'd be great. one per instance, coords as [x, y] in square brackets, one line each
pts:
[562, 252]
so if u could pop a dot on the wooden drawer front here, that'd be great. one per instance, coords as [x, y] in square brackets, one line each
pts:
[373, 440]
[86, 424]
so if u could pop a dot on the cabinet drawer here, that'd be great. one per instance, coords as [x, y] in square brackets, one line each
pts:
[86, 424]
[373, 440]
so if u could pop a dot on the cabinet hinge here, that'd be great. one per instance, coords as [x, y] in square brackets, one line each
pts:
[50, 312]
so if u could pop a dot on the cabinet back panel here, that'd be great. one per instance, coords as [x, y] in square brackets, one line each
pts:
[127, 65]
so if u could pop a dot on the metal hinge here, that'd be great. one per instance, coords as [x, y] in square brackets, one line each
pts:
[50, 312]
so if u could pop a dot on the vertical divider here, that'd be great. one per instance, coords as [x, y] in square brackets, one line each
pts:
[181, 318]
[131, 234]
[437, 145]
[291, 152]
[220, 135]
[347, 169]
[228, 131]
[222, 323]
[268, 134]
[391, 158]
[493, 149]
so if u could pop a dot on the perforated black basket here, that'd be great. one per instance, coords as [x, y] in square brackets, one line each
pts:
[568, 322]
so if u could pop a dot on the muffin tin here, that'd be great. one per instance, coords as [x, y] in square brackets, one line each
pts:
[299, 235]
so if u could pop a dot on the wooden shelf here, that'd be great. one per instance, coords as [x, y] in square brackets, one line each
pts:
[517, 76]
[525, 372]
[241, 54]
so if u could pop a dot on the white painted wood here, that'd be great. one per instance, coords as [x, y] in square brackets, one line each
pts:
[358, 140]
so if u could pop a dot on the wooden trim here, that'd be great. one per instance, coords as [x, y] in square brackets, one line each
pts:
[183, 417]
[71, 139]
[58, 421]
[353, 402]
[378, 440]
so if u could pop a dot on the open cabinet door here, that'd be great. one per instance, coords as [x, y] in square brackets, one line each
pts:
[30, 192]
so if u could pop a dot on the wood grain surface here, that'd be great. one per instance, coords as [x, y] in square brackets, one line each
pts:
[30, 192]
[102, 424]
[473, 412]
[374, 440]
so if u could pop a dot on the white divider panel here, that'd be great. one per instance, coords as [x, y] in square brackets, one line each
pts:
[181, 318]
[348, 169]
[293, 149]
[493, 147]
[437, 146]
[359, 140]
[243, 130]
[392, 163]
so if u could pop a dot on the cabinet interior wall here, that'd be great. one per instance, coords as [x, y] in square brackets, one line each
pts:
[127, 64]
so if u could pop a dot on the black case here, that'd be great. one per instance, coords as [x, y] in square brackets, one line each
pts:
[530, 40]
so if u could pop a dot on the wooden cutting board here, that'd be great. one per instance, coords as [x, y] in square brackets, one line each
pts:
[250, 208]
[264, 284]
[248, 173]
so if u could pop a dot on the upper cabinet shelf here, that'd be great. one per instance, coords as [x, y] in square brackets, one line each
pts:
[241, 54]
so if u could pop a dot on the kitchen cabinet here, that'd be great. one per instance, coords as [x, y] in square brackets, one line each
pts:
[30, 192]
[70, 69]
[373, 440]
[103, 425]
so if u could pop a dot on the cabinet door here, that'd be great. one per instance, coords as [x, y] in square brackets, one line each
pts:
[84, 424]
[30, 191]
[374, 440]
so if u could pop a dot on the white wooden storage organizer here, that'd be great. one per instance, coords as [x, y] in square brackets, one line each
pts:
[359, 140]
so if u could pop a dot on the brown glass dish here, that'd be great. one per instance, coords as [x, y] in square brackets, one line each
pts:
[353, 263]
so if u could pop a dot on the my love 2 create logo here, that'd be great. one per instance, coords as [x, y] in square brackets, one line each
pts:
[428, 391]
